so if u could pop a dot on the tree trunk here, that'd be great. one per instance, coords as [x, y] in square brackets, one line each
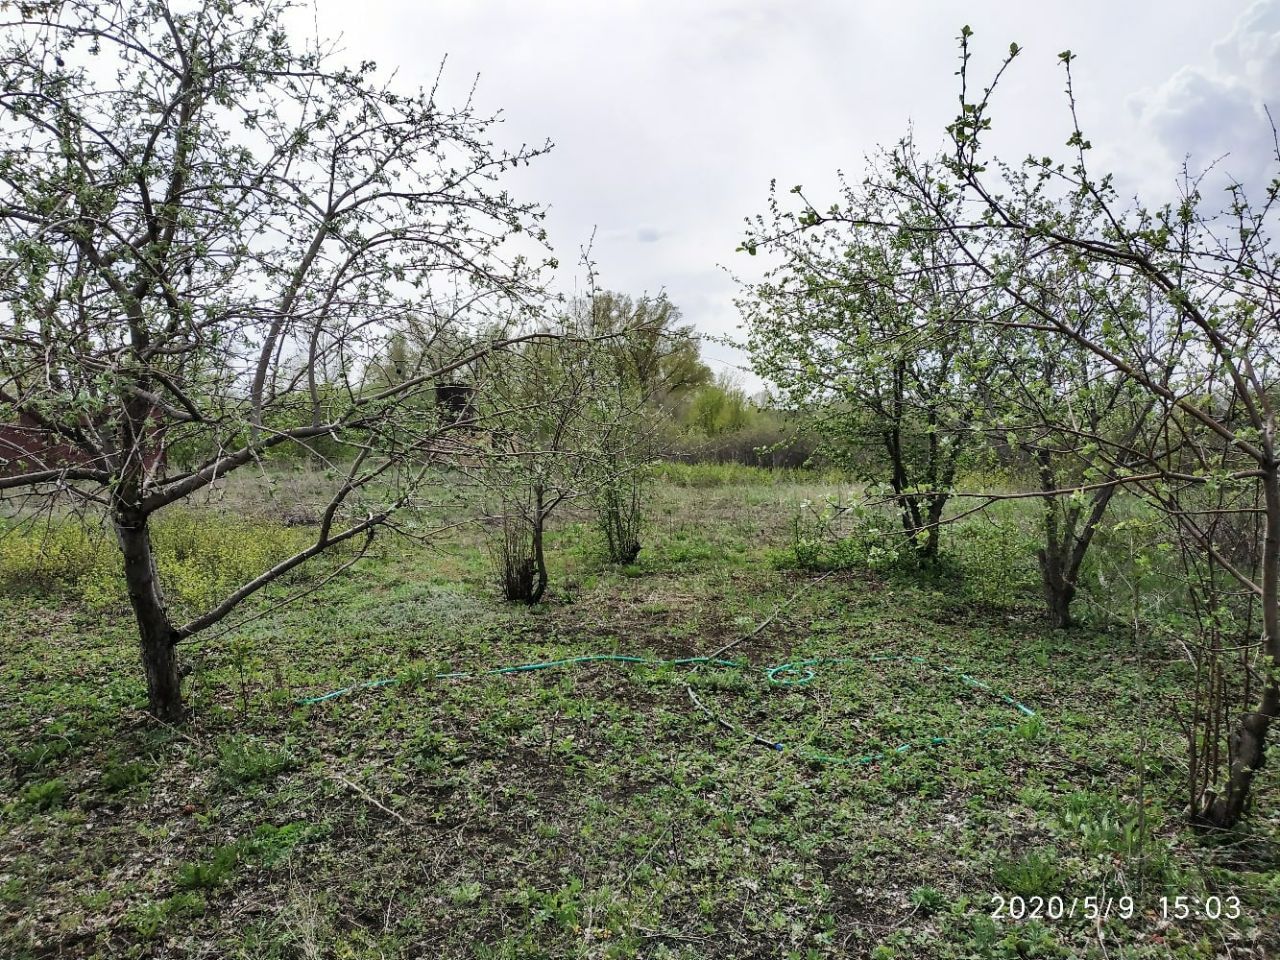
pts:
[1058, 566]
[929, 549]
[1059, 589]
[1247, 743]
[155, 631]
[539, 552]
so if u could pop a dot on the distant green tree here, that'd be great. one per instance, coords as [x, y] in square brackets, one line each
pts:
[658, 356]
[718, 408]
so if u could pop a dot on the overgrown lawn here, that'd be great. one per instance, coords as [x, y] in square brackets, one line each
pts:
[594, 810]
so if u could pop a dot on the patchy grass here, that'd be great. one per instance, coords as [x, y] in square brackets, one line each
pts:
[593, 811]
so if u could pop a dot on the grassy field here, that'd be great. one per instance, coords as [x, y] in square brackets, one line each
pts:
[593, 810]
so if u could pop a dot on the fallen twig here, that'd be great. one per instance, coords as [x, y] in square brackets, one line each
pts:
[368, 797]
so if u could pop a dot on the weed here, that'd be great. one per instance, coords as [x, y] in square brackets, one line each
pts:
[927, 899]
[242, 759]
[465, 894]
[210, 873]
[149, 920]
[43, 795]
[270, 844]
[118, 777]
[41, 755]
[1102, 826]
[1034, 873]
[201, 557]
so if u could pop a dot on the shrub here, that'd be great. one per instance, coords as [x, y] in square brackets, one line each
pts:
[618, 516]
[995, 556]
[835, 536]
[205, 556]
[511, 550]
[50, 557]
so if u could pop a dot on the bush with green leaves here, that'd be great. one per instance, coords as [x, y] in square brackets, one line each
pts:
[618, 515]
[993, 554]
[838, 536]
[515, 566]
[50, 557]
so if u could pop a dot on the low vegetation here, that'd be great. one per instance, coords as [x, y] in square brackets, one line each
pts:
[204, 555]
[593, 810]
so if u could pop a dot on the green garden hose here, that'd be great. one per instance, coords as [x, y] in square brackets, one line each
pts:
[796, 673]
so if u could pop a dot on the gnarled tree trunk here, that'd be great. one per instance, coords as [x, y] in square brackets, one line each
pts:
[1066, 541]
[1059, 588]
[157, 637]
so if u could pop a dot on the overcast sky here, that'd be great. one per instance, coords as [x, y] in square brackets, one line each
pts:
[670, 118]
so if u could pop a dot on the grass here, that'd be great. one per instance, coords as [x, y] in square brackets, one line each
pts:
[592, 811]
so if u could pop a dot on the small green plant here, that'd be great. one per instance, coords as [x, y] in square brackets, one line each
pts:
[927, 899]
[1103, 826]
[149, 919]
[1034, 873]
[433, 752]
[1030, 729]
[44, 795]
[465, 894]
[118, 777]
[212, 873]
[560, 908]
[42, 754]
[244, 760]
[270, 844]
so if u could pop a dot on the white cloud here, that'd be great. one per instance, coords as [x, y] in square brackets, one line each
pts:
[1214, 114]
[671, 117]
[1252, 49]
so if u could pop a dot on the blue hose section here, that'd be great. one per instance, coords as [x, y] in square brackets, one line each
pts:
[795, 673]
